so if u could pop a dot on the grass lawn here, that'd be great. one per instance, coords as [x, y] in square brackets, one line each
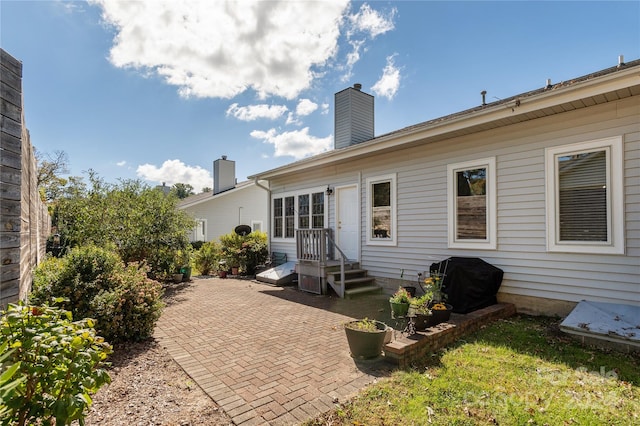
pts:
[518, 371]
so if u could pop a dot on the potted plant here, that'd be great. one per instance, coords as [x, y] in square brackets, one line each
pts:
[184, 260]
[399, 302]
[222, 268]
[440, 311]
[365, 337]
[420, 312]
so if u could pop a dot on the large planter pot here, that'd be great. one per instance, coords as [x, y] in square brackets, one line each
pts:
[399, 309]
[177, 278]
[365, 344]
[440, 315]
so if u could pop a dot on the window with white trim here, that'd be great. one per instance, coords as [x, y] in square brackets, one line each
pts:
[277, 218]
[306, 210]
[585, 207]
[471, 203]
[381, 210]
[289, 217]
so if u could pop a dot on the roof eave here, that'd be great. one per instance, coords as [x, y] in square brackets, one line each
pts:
[517, 105]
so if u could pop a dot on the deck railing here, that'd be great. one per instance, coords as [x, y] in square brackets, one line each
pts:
[314, 244]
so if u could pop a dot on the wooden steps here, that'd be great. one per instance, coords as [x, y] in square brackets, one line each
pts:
[356, 281]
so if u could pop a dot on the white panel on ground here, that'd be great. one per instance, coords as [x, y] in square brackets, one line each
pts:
[608, 321]
[280, 275]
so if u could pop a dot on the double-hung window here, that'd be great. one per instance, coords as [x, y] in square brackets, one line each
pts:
[584, 189]
[471, 191]
[311, 210]
[289, 217]
[278, 230]
[381, 210]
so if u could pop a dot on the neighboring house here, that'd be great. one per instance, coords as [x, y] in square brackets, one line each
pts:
[544, 185]
[229, 205]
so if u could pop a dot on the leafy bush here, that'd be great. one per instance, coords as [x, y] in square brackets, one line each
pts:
[52, 366]
[142, 223]
[206, 259]
[246, 252]
[97, 284]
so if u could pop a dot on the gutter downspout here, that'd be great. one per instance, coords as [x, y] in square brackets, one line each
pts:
[259, 185]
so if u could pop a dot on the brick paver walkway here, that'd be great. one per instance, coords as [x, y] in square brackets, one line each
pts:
[265, 354]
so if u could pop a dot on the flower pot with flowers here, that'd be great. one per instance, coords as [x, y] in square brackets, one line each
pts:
[420, 312]
[399, 303]
[440, 311]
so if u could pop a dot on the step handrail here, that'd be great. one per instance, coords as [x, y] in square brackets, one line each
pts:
[342, 259]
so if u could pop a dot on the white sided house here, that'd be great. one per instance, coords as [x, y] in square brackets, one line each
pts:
[544, 185]
[229, 205]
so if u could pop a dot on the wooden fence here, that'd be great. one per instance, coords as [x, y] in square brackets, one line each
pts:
[24, 219]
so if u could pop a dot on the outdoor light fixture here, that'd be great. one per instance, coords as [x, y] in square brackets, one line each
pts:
[329, 190]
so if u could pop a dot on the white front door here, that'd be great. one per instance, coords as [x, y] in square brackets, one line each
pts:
[348, 221]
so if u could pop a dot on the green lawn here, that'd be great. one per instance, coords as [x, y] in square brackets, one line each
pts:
[519, 371]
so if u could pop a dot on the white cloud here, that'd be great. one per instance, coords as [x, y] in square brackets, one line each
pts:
[175, 171]
[306, 107]
[371, 21]
[221, 49]
[121, 163]
[324, 109]
[297, 143]
[254, 112]
[367, 23]
[388, 84]
[293, 119]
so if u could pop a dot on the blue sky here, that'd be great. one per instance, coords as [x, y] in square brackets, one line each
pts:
[159, 90]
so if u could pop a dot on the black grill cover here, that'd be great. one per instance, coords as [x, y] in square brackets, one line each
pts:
[469, 283]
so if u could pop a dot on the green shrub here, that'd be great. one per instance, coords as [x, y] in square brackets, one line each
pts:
[52, 366]
[246, 252]
[206, 259]
[96, 284]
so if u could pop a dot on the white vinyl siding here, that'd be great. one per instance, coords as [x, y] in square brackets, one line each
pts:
[585, 209]
[223, 212]
[422, 220]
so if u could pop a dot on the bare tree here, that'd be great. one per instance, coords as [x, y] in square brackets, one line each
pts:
[51, 167]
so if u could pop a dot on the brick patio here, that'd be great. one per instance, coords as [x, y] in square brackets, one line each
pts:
[275, 355]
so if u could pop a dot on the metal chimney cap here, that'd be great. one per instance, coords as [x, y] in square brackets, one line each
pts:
[357, 86]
